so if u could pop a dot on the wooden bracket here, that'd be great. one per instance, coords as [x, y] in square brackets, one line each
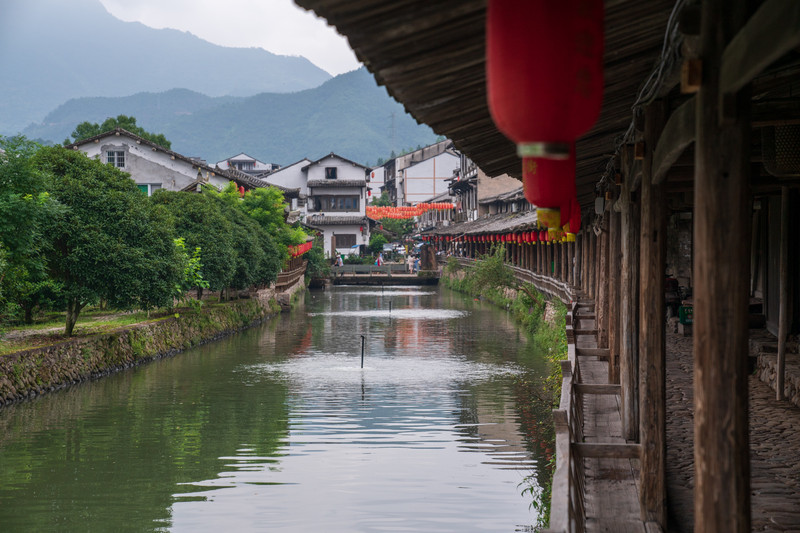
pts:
[638, 150]
[691, 75]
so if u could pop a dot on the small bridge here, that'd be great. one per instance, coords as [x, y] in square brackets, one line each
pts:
[389, 274]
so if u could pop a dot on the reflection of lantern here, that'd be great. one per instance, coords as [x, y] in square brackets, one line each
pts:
[540, 99]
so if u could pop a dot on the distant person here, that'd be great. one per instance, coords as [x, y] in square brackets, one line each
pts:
[379, 261]
[416, 264]
[410, 263]
[340, 260]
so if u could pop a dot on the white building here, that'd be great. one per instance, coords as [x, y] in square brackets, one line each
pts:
[377, 179]
[153, 167]
[422, 174]
[245, 163]
[336, 205]
[292, 177]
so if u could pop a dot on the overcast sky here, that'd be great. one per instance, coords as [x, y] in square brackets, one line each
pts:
[278, 26]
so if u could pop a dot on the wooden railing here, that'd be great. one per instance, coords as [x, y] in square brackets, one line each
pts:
[550, 286]
[567, 504]
[369, 270]
[290, 277]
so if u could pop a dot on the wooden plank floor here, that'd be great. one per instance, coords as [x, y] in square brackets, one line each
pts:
[612, 500]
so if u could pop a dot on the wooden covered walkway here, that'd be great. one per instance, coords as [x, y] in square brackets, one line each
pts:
[691, 169]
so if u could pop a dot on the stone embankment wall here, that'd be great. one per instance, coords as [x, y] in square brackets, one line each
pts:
[29, 373]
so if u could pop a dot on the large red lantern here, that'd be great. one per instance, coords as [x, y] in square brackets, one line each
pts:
[549, 184]
[544, 69]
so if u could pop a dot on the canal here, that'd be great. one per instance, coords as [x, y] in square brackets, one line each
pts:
[280, 429]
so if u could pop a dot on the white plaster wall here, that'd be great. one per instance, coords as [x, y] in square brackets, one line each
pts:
[291, 177]
[426, 179]
[377, 179]
[146, 165]
[328, 231]
[346, 171]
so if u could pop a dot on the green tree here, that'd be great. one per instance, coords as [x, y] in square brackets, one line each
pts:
[25, 207]
[199, 220]
[108, 243]
[192, 272]
[258, 259]
[382, 200]
[318, 265]
[268, 207]
[376, 242]
[85, 130]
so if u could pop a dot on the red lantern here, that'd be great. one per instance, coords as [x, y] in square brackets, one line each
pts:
[549, 184]
[574, 225]
[544, 69]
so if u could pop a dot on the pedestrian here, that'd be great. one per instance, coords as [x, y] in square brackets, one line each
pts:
[380, 259]
[410, 263]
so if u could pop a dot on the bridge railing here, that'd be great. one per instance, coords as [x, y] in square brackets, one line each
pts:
[369, 270]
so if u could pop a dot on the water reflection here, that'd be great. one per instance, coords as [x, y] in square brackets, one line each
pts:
[280, 429]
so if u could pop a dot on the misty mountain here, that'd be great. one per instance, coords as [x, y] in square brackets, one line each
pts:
[55, 50]
[349, 114]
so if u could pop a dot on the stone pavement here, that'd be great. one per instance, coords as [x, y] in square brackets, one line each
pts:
[774, 449]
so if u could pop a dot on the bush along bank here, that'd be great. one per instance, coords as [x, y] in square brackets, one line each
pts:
[28, 373]
[545, 320]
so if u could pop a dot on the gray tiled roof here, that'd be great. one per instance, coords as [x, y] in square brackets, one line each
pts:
[337, 183]
[501, 223]
[331, 220]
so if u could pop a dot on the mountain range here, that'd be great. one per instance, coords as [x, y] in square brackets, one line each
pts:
[64, 63]
[54, 50]
[349, 114]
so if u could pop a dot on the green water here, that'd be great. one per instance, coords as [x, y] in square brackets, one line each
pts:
[280, 429]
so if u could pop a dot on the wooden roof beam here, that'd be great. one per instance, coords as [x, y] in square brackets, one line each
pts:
[678, 133]
[770, 33]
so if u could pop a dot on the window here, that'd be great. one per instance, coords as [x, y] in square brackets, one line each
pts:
[330, 173]
[116, 158]
[244, 165]
[345, 241]
[337, 203]
[148, 188]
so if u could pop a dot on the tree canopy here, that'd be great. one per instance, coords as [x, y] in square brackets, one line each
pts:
[131, 263]
[25, 206]
[85, 130]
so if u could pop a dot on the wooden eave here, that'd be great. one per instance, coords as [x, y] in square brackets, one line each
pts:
[431, 58]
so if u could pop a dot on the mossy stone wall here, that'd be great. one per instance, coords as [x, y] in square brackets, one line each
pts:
[31, 372]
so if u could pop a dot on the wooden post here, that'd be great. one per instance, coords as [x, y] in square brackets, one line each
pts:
[602, 290]
[614, 278]
[582, 263]
[783, 314]
[652, 332]
[629, 354]
[591, 264]
[571, 263]
[721, 283]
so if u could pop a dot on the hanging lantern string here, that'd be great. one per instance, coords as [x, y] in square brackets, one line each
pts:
[670, 52]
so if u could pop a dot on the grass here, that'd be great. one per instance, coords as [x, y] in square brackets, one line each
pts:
[49, 329]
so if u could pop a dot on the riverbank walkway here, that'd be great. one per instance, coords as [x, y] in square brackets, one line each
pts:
[612, 500]
[774, 447]
[612, 485]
